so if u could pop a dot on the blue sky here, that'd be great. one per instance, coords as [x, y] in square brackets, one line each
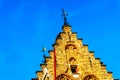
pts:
[28, 25]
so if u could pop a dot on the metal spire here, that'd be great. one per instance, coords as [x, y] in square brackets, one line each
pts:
[64, 14]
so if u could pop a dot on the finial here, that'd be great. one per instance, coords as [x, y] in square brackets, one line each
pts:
[43, 50]
[64, 14]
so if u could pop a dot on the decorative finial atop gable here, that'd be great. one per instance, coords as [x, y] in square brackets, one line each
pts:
[64, 14]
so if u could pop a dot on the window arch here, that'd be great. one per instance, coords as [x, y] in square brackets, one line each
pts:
[73, 65]
[70, 46]
[72, 59]
[63, 77]
[90, 77]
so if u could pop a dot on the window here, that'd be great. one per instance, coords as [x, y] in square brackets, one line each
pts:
[74, 68]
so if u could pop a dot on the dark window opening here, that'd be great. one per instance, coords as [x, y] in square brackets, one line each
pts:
[74, 68]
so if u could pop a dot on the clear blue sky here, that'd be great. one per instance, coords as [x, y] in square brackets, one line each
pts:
[27, 25]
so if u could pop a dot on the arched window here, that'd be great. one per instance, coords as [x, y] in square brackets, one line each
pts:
[73, 65]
